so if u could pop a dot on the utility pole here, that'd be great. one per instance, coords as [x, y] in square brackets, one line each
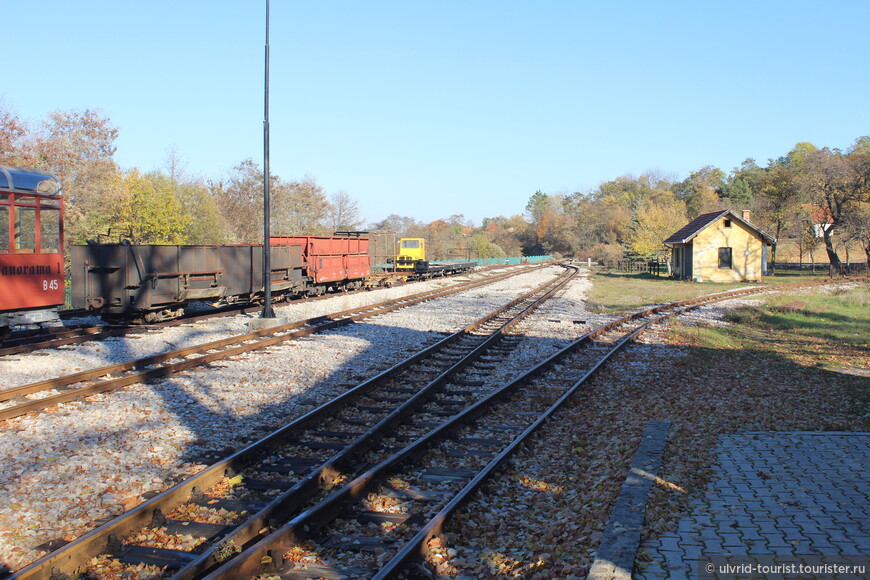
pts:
[267, 261]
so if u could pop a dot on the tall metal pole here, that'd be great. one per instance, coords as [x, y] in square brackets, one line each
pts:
[267, 258]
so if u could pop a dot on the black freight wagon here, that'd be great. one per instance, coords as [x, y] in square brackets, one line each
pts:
[154, 282]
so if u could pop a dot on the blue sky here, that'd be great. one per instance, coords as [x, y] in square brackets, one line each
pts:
[429, 109]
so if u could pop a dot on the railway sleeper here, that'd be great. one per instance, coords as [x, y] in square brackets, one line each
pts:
[230, 505]
[447, 474]
[336, 446]
[385, 399]
[381, 517]
[406, 390]
[481, 442]
[459, 392]
[292, 465]
[377, 410]
[198, 529]
[357, 543]
[423, 495]
[469, 452]
[485, 366]
[445, 412]
[154, 556]
[356, 420]
[308, 571]
[267, 485]
[468, 382]
[338, 434]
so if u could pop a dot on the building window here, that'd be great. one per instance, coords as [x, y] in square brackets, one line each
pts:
[726, 223]
[725, 258]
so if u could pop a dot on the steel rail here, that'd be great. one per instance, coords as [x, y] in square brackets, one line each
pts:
[265, 555]
[323, 476]
[95, 542]
[52, 337]
[417, 546]
[254, 341]
[56, 338]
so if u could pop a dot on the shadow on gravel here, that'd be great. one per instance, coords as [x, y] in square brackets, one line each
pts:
[704, 391]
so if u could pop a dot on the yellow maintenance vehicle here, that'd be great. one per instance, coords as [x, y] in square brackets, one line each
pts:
[412, 260]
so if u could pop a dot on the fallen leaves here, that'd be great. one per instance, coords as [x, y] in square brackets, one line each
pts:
[585, 452]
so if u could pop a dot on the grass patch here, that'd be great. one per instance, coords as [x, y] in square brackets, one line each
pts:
[841, 317]
[822, 332]
[614, 291]
[618, 291]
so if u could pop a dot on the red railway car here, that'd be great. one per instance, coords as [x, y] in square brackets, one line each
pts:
[331, 261]
[31, 247]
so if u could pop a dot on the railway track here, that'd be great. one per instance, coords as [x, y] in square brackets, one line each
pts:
[335, 495]
[53, 336]
[272, 478]
[23, 399]
[381, 522]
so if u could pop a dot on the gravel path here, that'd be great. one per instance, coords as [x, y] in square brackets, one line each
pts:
[84, 461]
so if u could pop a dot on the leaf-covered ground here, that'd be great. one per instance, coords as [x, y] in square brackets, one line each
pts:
[545, 516]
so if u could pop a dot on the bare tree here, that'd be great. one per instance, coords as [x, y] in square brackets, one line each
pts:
[240, 200]
[344, 214]
[299, 208]
[13, 134]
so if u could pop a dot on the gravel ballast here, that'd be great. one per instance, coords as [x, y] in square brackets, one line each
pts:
[67, 468]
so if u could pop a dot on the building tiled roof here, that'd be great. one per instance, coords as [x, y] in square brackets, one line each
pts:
[691, 229]
[694, 227]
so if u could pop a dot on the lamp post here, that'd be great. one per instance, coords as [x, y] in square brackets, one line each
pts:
[267, 261]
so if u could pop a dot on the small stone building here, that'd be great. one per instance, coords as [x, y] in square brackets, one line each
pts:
[719, 246]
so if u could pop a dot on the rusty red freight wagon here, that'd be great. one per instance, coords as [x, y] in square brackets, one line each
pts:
[331, 261]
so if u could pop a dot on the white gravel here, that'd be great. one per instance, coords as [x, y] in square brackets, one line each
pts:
[23, 369]
[87, 460]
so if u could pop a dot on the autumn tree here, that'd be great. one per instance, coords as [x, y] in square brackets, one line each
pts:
[700, 191]
[654, 221]
[240, 199]
[837, 182]
[740, 189]
[445, 238]
[507, 233]
[79, 147]
[206, 225]
[483, 247]
[857, 226]
[780, 196]
[153, 213]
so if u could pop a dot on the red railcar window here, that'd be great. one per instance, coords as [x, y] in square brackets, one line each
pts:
[49, 230]
[4, 229]
[24, 233]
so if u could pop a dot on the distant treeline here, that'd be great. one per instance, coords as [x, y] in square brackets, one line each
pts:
[817, 199]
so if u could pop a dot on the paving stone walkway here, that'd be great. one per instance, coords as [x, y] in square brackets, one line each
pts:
[797, 493]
